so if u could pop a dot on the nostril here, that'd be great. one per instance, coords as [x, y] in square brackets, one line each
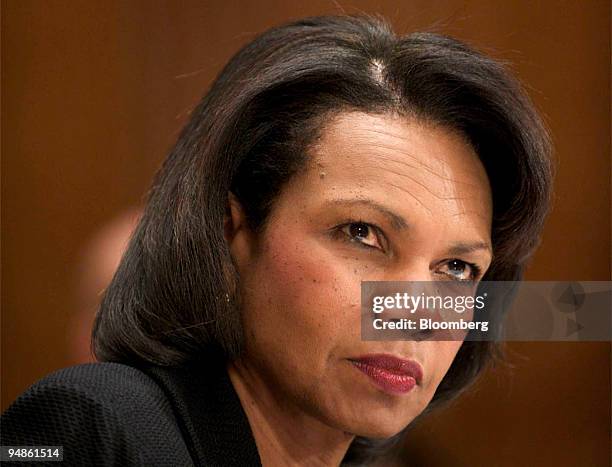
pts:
[424, 334]
[415, 334]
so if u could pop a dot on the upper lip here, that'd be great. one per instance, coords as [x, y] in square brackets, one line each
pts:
[393, 364]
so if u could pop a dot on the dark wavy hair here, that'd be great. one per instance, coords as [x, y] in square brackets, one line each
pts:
[174, 294]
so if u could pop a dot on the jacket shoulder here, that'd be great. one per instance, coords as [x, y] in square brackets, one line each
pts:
[101, 382]
[101, 413]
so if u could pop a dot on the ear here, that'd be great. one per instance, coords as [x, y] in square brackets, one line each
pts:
[237, 234]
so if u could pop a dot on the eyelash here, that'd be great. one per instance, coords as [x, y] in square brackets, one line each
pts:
[338, 230]
[349, 222]
[474, 268]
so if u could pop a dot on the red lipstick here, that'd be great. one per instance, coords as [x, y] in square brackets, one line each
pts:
[391, 374]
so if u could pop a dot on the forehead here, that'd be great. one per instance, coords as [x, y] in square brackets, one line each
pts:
[350, 139]
[401, 162]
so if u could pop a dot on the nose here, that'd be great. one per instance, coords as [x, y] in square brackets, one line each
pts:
[411, 306]
[414, 269]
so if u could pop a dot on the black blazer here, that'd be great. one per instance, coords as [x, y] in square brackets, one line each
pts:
[115, 414]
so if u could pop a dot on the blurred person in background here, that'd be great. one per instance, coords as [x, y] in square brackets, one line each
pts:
[98, 262]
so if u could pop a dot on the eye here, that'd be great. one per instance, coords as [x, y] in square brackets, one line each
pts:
[362, 233]
[460, 270]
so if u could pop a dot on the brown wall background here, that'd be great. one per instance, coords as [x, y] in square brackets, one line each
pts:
[95, 92]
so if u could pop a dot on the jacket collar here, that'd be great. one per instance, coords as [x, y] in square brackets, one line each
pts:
[209, 412]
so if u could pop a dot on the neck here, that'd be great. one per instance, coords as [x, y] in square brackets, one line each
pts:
[285, 435]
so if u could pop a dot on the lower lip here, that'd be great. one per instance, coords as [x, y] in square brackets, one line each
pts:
[386, 380]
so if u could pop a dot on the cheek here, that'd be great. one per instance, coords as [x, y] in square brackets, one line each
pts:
[440, 356]
[302, 300]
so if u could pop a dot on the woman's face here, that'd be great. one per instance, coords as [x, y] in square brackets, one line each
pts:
[383, 198]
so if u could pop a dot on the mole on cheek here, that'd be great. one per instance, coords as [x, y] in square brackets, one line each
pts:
[286, 263]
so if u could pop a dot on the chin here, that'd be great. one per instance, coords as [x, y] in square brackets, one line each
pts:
[378, 427]
[380, 431]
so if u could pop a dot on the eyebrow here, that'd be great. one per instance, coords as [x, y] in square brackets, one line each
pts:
[464, 248]
[397, 221]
